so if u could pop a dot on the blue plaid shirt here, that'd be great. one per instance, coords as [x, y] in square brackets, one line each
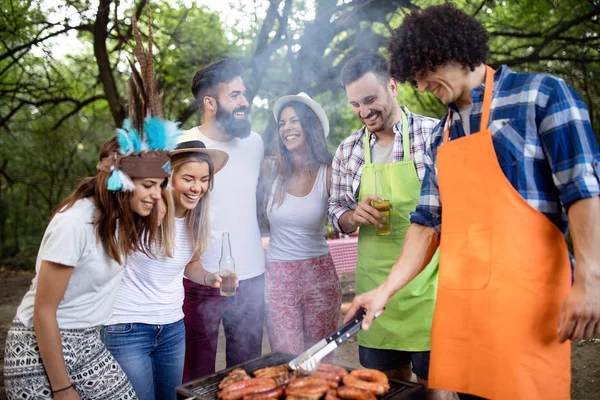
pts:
[543, 140]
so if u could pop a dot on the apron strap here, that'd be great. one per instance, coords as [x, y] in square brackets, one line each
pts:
[367, 145]
[405, 140]
[487, 98]
[486, 107]
[405, 137]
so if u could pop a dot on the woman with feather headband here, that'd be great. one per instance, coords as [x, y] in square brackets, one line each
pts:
[52, 348]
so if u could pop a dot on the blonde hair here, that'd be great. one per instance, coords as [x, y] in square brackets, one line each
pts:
[197, 221]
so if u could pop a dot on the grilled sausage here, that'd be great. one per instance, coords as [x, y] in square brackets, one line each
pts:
[238, 390]
[353, 393]
[268, 395]
[307, 387]
[368, 379]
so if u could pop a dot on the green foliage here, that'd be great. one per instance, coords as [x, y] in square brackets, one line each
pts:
[63, 71]
[54, 115]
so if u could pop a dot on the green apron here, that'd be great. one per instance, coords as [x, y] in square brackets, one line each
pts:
[406, 323]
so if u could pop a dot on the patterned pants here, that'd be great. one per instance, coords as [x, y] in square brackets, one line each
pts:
[93, 371]
[302, 300]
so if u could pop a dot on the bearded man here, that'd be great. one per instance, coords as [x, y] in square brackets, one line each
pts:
[220, 92]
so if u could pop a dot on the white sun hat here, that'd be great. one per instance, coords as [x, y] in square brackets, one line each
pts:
[303, 98]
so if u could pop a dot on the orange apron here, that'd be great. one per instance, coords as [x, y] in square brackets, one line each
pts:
[504, 272]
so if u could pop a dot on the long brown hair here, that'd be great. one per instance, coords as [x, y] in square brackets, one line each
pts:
[197, 221]
[284, 166]
[120, 230]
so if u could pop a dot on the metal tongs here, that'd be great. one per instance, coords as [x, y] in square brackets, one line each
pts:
[308, 361]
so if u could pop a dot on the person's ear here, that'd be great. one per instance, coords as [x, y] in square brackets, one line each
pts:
[393, 87]
[210, 103]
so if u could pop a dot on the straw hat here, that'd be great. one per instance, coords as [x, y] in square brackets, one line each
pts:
[303, 98]
[190, 143]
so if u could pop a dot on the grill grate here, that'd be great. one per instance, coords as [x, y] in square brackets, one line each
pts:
[206, 388]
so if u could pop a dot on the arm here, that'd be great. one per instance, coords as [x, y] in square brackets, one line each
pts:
[418, 248]
[572, 152]
[52, 284]
[344, 212]
[265, 181]
[195, 272]
[580, 313]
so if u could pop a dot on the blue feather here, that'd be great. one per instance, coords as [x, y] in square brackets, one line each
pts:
[155, 133]
[172, 132]
[114, 181]
[135, 140]
[167, 167]
[123, 140]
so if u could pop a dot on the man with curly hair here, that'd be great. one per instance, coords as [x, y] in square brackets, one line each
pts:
[513, 163]
[389, 148]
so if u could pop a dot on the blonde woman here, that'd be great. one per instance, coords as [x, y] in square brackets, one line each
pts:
[146, 333]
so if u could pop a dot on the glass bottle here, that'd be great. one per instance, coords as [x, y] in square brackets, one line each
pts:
[227, 268]
[383, 207]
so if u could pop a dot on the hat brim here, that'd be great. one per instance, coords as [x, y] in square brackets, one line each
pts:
[316, 107]
[218, 157]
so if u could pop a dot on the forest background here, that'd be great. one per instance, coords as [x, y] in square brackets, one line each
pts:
[64, 66]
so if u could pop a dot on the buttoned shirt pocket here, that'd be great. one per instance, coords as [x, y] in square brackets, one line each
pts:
[509, 142]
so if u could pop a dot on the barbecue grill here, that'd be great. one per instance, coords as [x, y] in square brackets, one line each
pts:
[206, 388]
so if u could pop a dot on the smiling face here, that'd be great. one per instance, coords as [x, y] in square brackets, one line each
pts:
[232, 108]
[146, 195]
[373, 102]
[290, 130]
[448, 82]
[190, 181]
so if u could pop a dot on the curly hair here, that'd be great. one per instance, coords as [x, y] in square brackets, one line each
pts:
[434, 36]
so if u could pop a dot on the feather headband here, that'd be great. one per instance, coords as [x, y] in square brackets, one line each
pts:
[146, 138]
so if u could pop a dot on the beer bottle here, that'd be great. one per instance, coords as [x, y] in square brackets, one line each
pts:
[227, 268]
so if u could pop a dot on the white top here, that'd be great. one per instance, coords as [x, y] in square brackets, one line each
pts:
[298, 224]
[233, 205]
[151, 291]
[70, 239]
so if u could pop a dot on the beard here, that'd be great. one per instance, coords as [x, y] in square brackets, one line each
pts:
[236, 127]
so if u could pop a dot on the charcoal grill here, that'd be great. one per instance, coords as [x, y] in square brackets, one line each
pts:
[206, 388]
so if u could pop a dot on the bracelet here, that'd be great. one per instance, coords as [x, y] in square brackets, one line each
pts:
[63, 389]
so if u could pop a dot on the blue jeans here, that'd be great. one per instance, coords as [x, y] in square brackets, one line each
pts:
[151, 355]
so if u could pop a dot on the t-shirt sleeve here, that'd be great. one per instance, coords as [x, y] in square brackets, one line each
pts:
[65, 238]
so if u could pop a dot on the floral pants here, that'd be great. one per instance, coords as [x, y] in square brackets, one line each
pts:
[302, 300]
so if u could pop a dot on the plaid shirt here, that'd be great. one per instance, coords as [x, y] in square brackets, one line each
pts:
[543, 140]
[350, 157]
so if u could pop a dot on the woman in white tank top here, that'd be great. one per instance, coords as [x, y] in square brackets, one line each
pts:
[302, 289]
[146, 333]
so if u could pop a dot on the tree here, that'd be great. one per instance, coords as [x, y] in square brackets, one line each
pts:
[56, 111]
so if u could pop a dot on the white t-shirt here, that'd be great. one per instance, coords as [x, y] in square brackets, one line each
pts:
[70, 239]
[233, 205]
[151, 291]
[298, 224]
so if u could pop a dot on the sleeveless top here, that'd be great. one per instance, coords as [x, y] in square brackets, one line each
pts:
[298, 224]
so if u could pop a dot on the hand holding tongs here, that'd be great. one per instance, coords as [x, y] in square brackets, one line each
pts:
[308, 361]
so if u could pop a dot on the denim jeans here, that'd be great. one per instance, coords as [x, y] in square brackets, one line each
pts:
[151, 355]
